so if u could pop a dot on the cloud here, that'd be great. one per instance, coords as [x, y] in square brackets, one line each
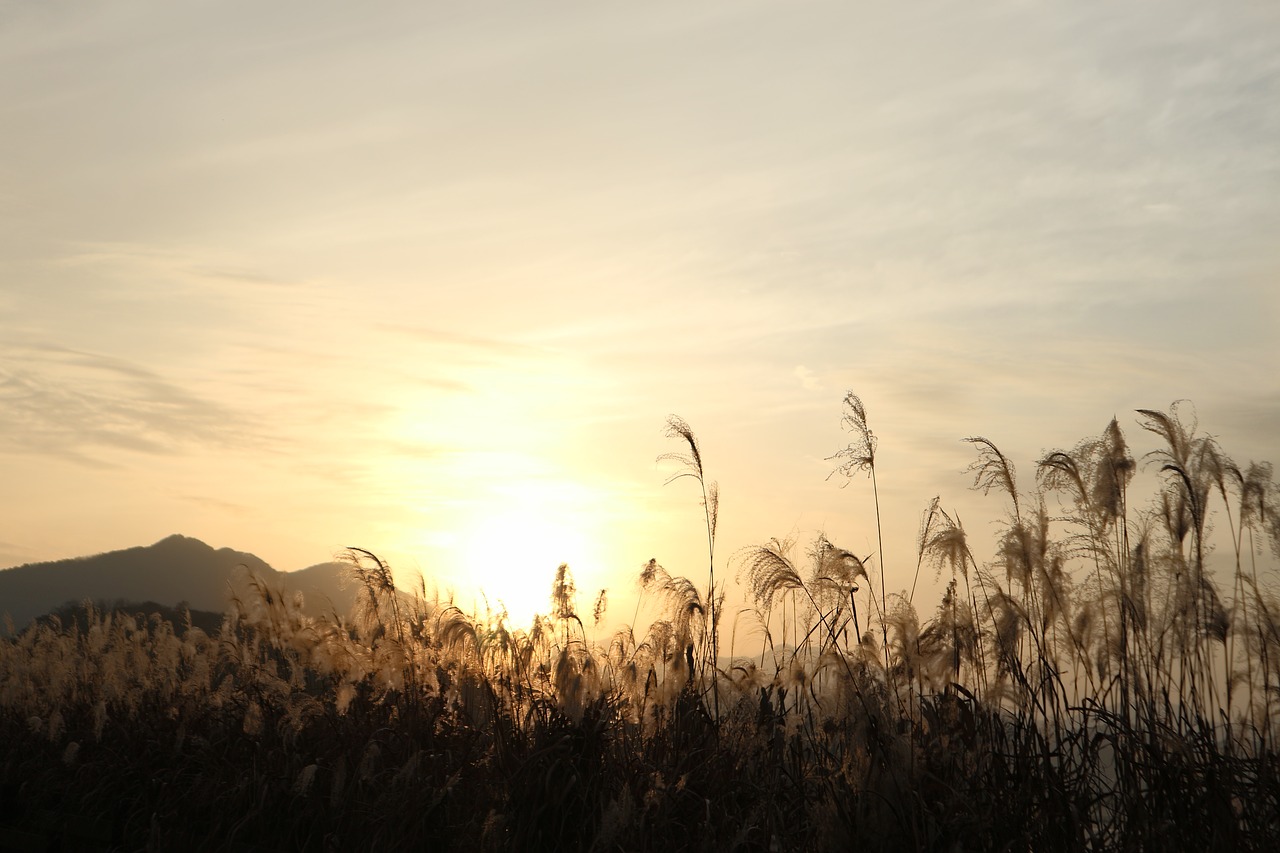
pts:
[228, 507]
[461, 341]
[245, 277]
[84, 406]
[807, 380]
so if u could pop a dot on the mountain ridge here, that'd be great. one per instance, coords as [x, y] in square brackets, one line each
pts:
[178, 569]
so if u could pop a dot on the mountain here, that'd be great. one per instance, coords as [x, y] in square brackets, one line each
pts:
[174, 570]
[324, 588]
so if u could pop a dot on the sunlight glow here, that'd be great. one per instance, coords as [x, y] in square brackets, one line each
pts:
[509, 551]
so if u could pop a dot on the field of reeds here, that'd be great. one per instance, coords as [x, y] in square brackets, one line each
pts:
[1107, 679]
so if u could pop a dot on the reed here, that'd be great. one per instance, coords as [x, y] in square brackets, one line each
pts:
[1097, 682]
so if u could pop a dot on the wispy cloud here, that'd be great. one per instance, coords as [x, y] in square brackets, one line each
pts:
[229, 507]
[85, 406]
[464, 341]
[808, 381]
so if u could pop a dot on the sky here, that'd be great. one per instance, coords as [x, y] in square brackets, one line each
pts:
[429, 278]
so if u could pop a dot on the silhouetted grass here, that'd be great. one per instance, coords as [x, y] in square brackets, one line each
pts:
[1092, 685]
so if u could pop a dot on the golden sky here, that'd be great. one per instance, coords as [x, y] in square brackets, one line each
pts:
[428, 278]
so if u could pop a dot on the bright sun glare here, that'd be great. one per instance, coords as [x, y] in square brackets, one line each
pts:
[511, 554]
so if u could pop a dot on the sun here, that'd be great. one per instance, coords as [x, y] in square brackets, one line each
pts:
[508, 553]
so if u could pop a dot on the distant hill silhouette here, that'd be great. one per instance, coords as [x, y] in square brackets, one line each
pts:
[177, 569]
[78, 614]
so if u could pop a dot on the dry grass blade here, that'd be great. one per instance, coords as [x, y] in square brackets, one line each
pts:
[769, 572]
[992, 470]
[860, 454]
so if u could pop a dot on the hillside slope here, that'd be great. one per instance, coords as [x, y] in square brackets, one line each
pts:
[175, 569]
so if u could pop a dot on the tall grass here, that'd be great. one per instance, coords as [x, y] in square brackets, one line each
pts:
[1097, 682]
[860, 456]
[706, 664]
